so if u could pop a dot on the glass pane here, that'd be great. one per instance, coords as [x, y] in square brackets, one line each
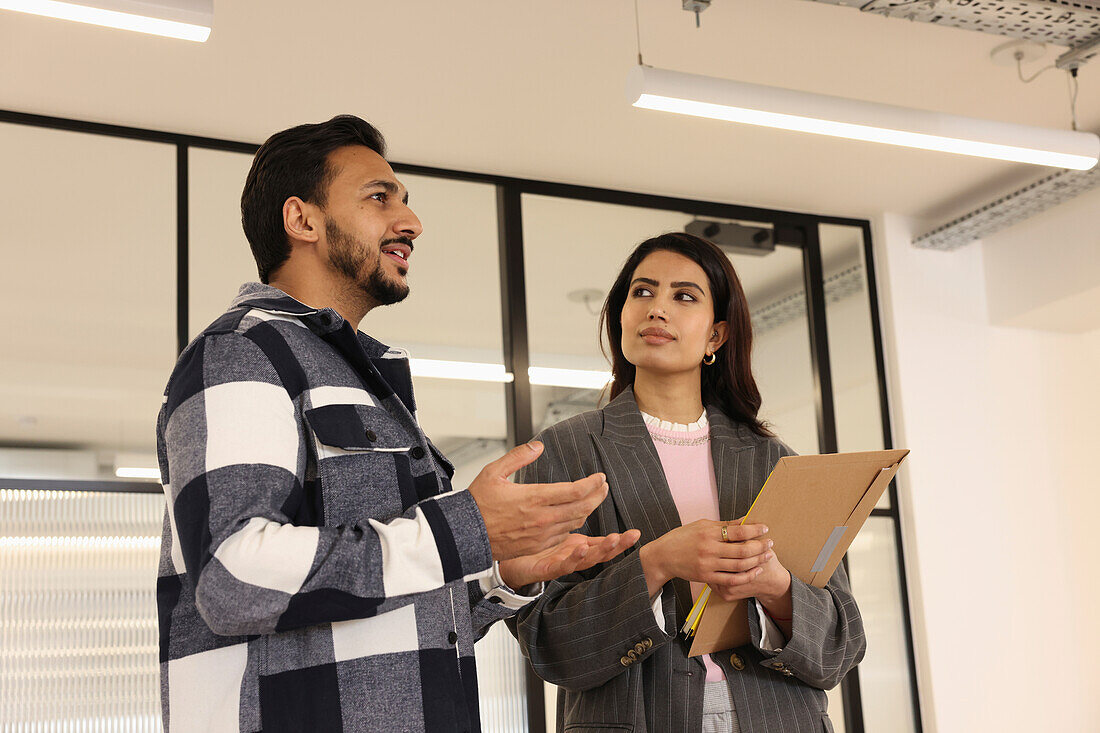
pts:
[219, 258]
[573, 252]
[885, 681]
[78, 642]
[452, 313]
[93, 276]
[851, 341]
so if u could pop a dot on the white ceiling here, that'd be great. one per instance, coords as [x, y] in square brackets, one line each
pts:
[535, 89]
[517, 88]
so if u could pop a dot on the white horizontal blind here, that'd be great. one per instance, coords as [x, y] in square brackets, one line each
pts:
[78, 629]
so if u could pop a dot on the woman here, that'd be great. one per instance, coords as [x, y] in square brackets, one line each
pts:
[685, 454]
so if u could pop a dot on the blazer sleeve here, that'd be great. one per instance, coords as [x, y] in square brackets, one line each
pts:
[827, 636]
[577, 634]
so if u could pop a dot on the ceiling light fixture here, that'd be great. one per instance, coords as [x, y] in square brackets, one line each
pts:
[482, 372]
[785, 109]
[138, 472]
[189, 20]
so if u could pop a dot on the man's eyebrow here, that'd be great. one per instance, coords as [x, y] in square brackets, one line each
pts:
[388, 186]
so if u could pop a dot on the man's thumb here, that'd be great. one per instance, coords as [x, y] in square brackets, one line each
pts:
[518, 457]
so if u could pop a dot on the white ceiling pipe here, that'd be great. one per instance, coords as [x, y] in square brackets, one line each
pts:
[753, 104]
[189, 20]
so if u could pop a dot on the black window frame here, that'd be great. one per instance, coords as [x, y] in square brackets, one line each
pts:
[792, 229]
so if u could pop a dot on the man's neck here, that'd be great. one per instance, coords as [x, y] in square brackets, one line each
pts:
[673, 397]
[322, 292]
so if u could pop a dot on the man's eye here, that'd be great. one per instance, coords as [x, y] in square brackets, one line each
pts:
[380, 196]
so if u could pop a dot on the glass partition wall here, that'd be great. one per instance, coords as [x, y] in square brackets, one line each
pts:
[508, 272]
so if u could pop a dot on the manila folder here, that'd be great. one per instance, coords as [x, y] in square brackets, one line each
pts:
[813, 507]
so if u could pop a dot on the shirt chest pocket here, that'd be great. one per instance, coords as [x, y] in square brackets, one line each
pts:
[368, 465]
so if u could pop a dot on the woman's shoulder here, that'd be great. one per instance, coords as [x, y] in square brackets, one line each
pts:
[585, 423]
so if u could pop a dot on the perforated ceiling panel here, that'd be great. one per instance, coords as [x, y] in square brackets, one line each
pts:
[1021, 204]
[1061, 22]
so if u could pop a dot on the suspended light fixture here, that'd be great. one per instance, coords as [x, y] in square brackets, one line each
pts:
[785, 109]
[189, 20]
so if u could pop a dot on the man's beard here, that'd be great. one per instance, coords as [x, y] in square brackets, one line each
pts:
[349, 257]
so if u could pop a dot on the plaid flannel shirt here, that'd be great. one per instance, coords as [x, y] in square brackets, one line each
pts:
[317, 570]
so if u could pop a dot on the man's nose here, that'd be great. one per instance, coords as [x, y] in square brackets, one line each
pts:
[408, 225]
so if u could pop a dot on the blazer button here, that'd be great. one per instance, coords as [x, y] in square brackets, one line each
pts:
[640, 648]
[632, 655]
[371, 435]
[788, 673]
[737, 662]
[648, 643]
[418, 452]
[624, 661]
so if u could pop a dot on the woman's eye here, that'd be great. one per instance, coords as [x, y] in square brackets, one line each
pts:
[641, 292]
[686, 296]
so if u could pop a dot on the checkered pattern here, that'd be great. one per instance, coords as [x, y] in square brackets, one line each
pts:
[317, 572]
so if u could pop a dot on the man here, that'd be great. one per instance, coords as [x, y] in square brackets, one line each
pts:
[318, 572]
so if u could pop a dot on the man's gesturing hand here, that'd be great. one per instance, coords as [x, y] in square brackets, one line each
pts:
[575, 552]
[525, 519]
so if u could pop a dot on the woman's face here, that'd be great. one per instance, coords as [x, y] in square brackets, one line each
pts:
[668, 318]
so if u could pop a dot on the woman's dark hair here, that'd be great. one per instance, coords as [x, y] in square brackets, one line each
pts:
[294, 162]
[728, 383]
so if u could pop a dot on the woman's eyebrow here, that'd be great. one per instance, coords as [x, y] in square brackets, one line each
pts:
[645, 280]
[685, 284]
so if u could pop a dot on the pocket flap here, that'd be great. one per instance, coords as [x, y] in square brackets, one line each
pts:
[357, 427]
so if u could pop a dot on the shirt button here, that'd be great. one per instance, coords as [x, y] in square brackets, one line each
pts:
[418, 452]
[371, 435]
[495, 599]
[737, 662]
[452, 637]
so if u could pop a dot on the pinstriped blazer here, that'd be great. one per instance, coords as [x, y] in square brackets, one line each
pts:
[584, 630]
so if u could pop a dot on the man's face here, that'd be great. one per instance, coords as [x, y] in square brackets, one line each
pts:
[369, 226]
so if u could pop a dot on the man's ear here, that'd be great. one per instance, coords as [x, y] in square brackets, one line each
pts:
[301, 221]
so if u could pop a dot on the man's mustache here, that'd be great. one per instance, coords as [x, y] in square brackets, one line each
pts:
[399, 240]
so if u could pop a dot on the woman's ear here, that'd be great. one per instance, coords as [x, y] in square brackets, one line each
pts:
[719, 335]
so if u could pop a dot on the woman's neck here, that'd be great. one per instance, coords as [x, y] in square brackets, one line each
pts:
[676, 398]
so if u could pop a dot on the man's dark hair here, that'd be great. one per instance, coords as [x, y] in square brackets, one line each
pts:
[294, 162]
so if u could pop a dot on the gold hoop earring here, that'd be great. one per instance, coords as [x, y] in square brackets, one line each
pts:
[712, 357]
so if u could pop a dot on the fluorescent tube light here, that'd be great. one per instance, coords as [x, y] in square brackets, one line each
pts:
[481, 372]
[753, 104]
[469, 370]
[189, 20]
[133, 472]
[579, 378]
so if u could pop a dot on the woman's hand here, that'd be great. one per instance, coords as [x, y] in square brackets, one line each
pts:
[575, 552]
[697, 552]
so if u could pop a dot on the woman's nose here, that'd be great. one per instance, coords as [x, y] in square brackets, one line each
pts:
[657, 313]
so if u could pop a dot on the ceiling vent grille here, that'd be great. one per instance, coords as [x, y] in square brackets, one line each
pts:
[1061, 22]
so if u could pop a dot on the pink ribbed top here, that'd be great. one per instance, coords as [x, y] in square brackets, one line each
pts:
[684, 451]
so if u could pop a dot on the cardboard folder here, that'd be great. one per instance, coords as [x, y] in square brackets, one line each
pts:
[813, 507]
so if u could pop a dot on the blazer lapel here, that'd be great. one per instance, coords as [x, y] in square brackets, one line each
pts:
[637, 479]
[733, 450]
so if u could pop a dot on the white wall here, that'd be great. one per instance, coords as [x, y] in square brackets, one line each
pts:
[999, 497]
